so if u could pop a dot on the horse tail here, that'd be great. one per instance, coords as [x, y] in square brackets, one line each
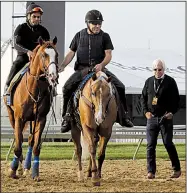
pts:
[85, 151]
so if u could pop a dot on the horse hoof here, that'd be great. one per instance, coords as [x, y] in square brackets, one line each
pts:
[80, 176]
[36, 178]
[89, 174]
[12, 174]
[20, 170]
[26, 172]
[96, 181]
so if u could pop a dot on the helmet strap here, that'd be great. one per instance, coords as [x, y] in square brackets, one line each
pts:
[89, 28]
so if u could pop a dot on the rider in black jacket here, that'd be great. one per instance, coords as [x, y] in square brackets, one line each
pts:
[26, 39]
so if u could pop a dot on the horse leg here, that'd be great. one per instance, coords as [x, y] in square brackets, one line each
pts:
[76, 134]
[101, 155]
[89, 172]
[89, 137]
[20, 167]
[28, 158]
[11, 116]
[40, 124]
[18, 147]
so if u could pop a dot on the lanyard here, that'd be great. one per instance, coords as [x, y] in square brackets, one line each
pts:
[156, 90]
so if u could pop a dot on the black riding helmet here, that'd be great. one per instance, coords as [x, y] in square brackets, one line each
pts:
[32, 8]
[93, 15]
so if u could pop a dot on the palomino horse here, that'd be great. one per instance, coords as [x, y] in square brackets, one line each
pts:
[31, 102]
[98, 112]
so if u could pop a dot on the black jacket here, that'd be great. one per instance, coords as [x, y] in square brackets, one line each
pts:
[26, 37]
[97, 43]
[168, 96]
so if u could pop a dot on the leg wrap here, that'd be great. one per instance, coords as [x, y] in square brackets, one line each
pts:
[28, 158]
[15, 163]
[35, 167]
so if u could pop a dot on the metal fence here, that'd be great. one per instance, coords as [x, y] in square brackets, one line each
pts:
[119, 134]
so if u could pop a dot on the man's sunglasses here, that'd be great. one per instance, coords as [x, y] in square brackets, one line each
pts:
[158, 69]
[34, 16]
[96, 22]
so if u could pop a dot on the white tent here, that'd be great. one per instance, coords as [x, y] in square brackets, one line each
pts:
[132, 67]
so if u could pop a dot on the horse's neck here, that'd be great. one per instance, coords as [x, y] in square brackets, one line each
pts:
[32, 77]
[87, 90]
[35, 66]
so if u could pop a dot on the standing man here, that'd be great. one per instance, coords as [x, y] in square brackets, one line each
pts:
[26, 39]
[94, 49]
[160, 101]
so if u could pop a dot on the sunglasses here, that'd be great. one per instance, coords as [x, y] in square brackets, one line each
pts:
[158, 69]
[96, 22]
[34, 16]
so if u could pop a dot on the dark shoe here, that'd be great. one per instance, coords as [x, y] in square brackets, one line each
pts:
[150, 175]
[176, 174]
[65, 126]
[127, 123]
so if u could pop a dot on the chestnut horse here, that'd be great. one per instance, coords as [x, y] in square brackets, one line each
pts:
[98, 112]
[31, 102]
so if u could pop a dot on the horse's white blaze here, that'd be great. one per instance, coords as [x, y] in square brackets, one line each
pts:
[52, 67]
[99, 117]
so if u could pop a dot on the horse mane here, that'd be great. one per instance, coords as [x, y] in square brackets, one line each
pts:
[35, 52]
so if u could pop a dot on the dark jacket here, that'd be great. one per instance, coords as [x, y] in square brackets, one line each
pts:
[26, 37]
[168, 96]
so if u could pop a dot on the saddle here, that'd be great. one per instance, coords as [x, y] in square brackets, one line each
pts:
[14, 82]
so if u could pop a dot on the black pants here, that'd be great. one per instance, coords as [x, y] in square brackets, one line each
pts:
[75, 79]
[18, 64]
[153, 129]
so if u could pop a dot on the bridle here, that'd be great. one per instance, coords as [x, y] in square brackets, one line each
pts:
[90, 103]
[45, 73]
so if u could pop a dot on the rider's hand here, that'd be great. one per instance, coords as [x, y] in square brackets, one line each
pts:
[98, 67]
[169, 116]
[148, 115]
[30, 54]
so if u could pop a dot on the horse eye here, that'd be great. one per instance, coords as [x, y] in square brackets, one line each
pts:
[93, 94]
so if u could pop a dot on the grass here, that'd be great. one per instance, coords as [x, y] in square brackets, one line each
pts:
[62, 150]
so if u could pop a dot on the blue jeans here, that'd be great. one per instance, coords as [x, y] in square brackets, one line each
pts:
[153, 129]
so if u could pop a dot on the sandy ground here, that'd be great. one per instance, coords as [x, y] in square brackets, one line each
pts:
[117, 176]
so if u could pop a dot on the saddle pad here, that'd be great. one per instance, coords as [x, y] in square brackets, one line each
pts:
[14, 82]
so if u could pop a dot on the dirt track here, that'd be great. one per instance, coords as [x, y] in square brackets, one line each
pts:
[118, 176]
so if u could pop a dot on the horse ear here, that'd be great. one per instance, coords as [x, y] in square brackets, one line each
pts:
[40, 40]
[55, 40]
[109, 79]
[94, 77]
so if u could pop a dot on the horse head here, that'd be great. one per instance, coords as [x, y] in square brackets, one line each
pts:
[101, 94]
[45, 61]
